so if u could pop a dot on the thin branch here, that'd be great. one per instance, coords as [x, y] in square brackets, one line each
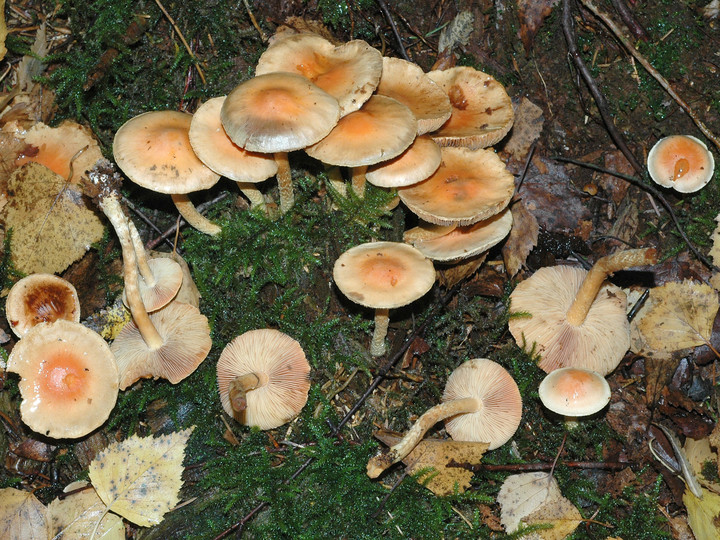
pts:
[391, 21]
[532, 467]
[182, 38]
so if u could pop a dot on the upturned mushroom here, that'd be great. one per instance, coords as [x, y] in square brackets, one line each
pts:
[382, 276]
[481, 403]
[573, 393]
[571, 317]
[681, 162]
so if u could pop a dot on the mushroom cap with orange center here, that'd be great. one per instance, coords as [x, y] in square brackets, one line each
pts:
[349, 72]
[154, 151]
[383, 275]
[574, 391]
[69, 379]
[681, 162]
[470, 185]
[279, 362]
[40, 298]
[482, 113]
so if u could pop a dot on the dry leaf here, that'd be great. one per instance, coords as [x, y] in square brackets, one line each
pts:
[558, 512]
[451, 274]
[140, 478]
[715, 238]
[437, 454]
[22, 516]
[698, 452]
[523, 238]
[76, 516]
[52, 226]
[526, 129]
[532, 13]
[703, 514]
[31, 66]
[3, 30]
[681, 316]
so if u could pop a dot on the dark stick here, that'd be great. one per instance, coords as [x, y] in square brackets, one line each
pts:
[636, 29]
[391, 21]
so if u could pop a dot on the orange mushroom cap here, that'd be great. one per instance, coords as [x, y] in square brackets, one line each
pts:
[681, 162]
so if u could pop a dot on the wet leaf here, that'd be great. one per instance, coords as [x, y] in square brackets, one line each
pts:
[703, 514]
[140, 478]
[526, 129]
[22, 516]
[698, 452]
[76, 515]
[715, 239]
[523, 238]
[532, 13]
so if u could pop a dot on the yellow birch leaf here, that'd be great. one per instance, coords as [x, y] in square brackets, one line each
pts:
[698, 452]
[703, 514]
[522, 494]
[3, 30]
[75, 518]
[681, 316]
[558, 512]
[140, 478]
[22, 516]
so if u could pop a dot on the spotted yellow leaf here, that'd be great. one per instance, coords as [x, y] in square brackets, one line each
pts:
[703, 514]
[22, 516]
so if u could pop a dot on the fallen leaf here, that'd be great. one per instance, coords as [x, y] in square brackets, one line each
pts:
[558, 512]
[52, 226]
[703, 514]
[452, 274]
[3, 30]
[681, 316]
[140, 478]
[526, 129]
[76, 516]
[698, 452]
[32, 65]
[523, 238]
[532, 13]
[22, 516]
[715, 239]
[435, 453]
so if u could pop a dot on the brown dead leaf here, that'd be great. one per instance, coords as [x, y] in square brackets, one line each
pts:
[715, 239]
[532, 13]
[658, 373]
[452, 274]
[75, 516]
[437, 454]
[32, 65]
[526, 129]
[523, 238]
[681, 316]
[22, 516]
[52, 226]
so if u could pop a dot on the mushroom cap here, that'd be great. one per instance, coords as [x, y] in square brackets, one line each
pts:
[282, 360]
[470, 185]
[574, 391]
[153, 150]
[349, 72]
[383, 275]
[416, 163]
[278, 112]
[69, 379]
[499, 417]
[482, 112]
[598, 344]
[681, 162]
[409, 84]
[40, 298]
[168, 280]
[382, 129]
[188, 293]
[186, 336]
[215, 149]
[463, 242]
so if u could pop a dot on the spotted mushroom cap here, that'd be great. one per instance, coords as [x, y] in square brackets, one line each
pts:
[681, 162]
[499, 417]
[69, 379]
[40, 298]
[154, 151]
[574, 391]
[598, 344]
[277, 359]
[383, 275]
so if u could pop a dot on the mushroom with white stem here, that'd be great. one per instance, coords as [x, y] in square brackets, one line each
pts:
[481, 403]
[573, 393]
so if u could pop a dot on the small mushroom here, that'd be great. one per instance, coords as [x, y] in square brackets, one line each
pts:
[382, 276]
[481, 403]
[681, 162]
[421, 159]
[40, 298]
[574, 392]
[263, 378]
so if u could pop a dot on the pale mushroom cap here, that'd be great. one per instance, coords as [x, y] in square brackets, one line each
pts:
[574, 391]
[470, 185]
[383, 275]
[154, 151]
[188, 293]
[349, 72]
[482, 112]
[407, 83]
[681, 162]
[598, 344]
[168, 280]
[282, 360]
[278, 112]
[416, 163]
[426, 231]
[69, 379]
[463, 242]
[40, 298]
[381, 130]
[186, 336]
[215, 149]
[499, 416]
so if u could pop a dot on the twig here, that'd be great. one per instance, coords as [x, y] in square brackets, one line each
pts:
[263, 35]
[629, 19]
[145, 219]
[391, 21]
[531, 467]
[182, 38]
[652, 71]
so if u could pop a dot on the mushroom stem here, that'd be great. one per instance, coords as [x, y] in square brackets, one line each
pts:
[253, 194]
[142, 261]
[358, 180]
[597, 275]
[110, 205]
[190, 214]
[382, 319]
[432, 416]
[284, 180]
[336, 180]
[243, 384]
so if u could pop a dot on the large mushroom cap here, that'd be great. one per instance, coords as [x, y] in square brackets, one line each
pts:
[280, 361]
[416, 163]
[278, 112]
[154, 151]
[383, 274]
[69, 379]
[499, 416]
[40, 298]
[574, 391]
[681, 162]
